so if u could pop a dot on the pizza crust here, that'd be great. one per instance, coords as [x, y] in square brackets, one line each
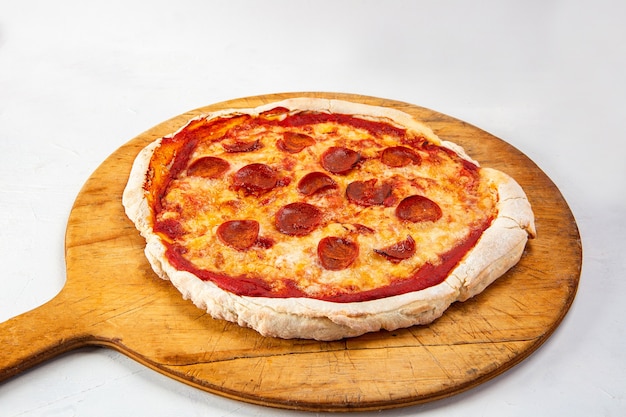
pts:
[499, 248]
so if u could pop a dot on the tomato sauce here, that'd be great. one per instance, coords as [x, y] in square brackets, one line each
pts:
[427, 276]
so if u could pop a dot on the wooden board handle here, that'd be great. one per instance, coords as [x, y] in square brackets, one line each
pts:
[38, 335]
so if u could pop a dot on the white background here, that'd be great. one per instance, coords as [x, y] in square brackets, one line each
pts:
[78, 79]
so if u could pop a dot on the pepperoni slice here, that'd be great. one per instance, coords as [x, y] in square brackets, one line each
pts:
[399, 156]
[399, 250]
[208, 167]
[294, 142]
[239, 234]
[297, 219]
[242, 146]
[336, 253]
[339, 160]
[256, 178]
[368, 193]
[417, 208]
[314, 182]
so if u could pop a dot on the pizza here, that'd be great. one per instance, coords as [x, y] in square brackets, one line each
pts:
[323, 219]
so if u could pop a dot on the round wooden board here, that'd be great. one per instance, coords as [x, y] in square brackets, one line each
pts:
[112, 298]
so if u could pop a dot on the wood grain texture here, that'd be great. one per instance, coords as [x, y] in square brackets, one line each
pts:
[113, 299]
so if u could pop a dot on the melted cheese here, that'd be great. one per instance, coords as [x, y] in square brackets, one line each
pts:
[201, 205]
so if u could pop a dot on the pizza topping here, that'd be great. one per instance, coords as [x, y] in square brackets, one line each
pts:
[239, 234]
[256, 178]
[398, 251]
[294, 142]
[314, 182]
[264, 242]
[362, 229]
[208, 167]
[170, 228]
[368, 193]
[399, 156]
[267, 185]
[336, 253]
[339, 160]
[417, 208]
[297, 219]
[242, 146]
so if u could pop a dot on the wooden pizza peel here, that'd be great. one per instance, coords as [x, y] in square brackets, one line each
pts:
[113, 299]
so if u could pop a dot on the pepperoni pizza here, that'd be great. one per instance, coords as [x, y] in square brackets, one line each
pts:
[323, 219]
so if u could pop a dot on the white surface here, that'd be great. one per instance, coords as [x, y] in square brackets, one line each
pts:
[78, 79]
